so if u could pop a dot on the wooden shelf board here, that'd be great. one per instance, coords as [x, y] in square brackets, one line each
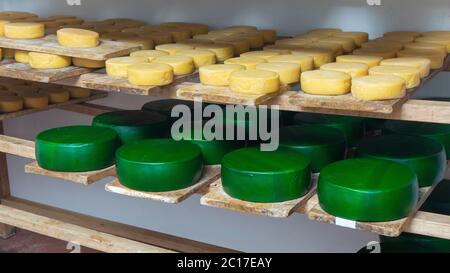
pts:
[17, 146]
[49, 44]
[210, 174]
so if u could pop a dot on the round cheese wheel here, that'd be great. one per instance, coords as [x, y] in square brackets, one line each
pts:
[159, 165]
[256, 40]
[426, 157]
[201, 57]
[264, 54]
[385, 87]
[438, 33]
[293, 42]
[142, 42]
[423, 64]
[77, 38]
[371, 61]
[436, 59]
[10, 104]
[134, 125]
[398, 38]
[223, 51]
[35, 100]
[158, 38]
[210, 37]
[218, 74]
[282, 51]
[248, 62]
[150, 74]
[48, 61]
[24, 30]
[76, 148]
[383, 44]
[306, 62]
[385, 53]
[348, 44]
[150, 54]
[21, 56]
[78, 92]
[117, 67]
[56, 95]
[164, 107]
[80, 62]
[439, 40]
[2, 27]
[321, 82]
[257, 82]
[320, 56]
[248, 174]
[353, 69]
[181, 65]
[269, 35]
[336, 48]
[358, 38]
[313, 37]
[352, 127]
[323, 145]
[427, 46]
[410, 75]
[289, 73]
[239, 46]
[368, 190]
[172, 49]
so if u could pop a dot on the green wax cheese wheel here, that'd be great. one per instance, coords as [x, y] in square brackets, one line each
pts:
[76, 148]
[438, 132]
[253, 175]
[134, 125]
[352, 127]
[424, 156]
[374, 124]
[368, 190]
[158, 165]
[323, 145]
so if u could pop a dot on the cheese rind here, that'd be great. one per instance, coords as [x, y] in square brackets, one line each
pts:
[35, 100]
[78, 92]
[10, 104]
[348, 44]
[256, 82]
[21, 56]
[423, 64]
[150, 74]
[379, 87]
[264, 54]
[172, 49]
[150, 54]
[371, 61]
[201, 57]
[239, 46]
[320, 56]
[80, 62]
[24, 30]
[248, 62]
[428, 46]
[440, 40]
[2, 27]
[56, 95]
[385, 53]
[353, 69]
[48, 61]
[181, 65]
[411, 75]
[306, 62]
[289, 73]
[218, 74]
[117, 67]
[223, 51]
[358, 38]
[330, 83]
[77, 38]
[436, 59]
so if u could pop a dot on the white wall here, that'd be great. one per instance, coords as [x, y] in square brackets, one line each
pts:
[190, 219]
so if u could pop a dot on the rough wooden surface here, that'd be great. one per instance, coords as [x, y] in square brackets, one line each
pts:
[17, 146]
[49, 44]
[430, 224]
[84, 178]
[25, 72]
[217, 197]
[101, 81]
[210, 174]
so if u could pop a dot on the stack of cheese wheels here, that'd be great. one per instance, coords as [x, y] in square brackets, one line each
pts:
[201, 57]
[248, 62]
[371, 61]
[212, 150]
[76, 148]
[323, 145]
[26, 30]
[254, 82]
[218, 74]
[379, 87]
[425, 156]
[352, 127]
[181, 65]
[306, 62]
[149, 54]
[150, 74]
[423, 64]
[39, 60]
[118, 67]
[368, 190]
[134, 125]
[353, 69]
[437, 132]
[78, 92]
[248, 174]
[289, 73]
[77, 38]
[410, 75]
[323, 82]
[159, 165]
[320, 56]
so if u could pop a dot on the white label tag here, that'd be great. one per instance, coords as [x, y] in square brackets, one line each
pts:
[345, 223]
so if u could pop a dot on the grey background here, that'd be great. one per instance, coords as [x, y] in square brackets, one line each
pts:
[190, 219]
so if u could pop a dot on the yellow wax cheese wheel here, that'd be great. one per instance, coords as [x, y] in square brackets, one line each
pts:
[150, 74]
[282, 51]
[336, 48]
[330, 83]
[411, 75]
[78, 92]
[21, 56]
[371, 61]
[298, 42]
[423, 64]
[172, 49]
[289, 73]
[269, 35]
[348, 44]
[383, 44]
[223, 51]
[181, 65]
[378, 87]
[353, 69]
[117, 67]
[428, 46]
[436, 59]
[320, 56]
[325, 31]
[2, 26]
[201, 57]
[256, 82]
[35, 100]
[248, 62]
[256, 40]
[48, 61]
[239, 46]
[218, 74]
[264, 54]
[413, 34]
[80, 62]
[24, 30]
[306, 62]
[56, 95]
[358, 38]
[149, 54]
[385, 53]
[10, 104]
[77, 38]
[440, 40]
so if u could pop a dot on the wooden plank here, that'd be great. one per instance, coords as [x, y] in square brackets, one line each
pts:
[390, 229]
[89, 109]
[25, 72]
[430, 224]
[101, 81]
[73, 233]
[218, 198]
[16, 146]
[94, 96]
[114, 228]
[84, 178]
[49, 44]
[210, 174]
